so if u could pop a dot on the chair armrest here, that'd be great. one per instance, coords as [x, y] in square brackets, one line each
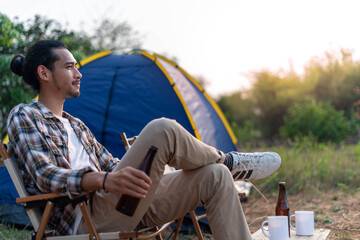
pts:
[45, 196]
[127, 141]
[42, 199]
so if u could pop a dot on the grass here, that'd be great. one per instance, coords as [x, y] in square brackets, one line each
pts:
[307, 166]
[11, 232]
[313, 167]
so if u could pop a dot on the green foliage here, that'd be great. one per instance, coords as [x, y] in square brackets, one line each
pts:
[246, 134]
[17, 36]
[236, 107]
[335, 79]
[10, 35]
[320, 120]
[238, 110]
[271, 95]
[12, 92]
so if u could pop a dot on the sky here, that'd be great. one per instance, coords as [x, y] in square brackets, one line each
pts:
[222, 41]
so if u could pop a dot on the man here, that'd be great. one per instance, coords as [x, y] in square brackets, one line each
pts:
[58, 153]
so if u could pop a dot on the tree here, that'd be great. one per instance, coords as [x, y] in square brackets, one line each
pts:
[272, 94]
[238, 110]
[319, 120]
[236, 107]
[17, 36]
[10, 35]
[115, 36]
[12, 89]
[335, 79]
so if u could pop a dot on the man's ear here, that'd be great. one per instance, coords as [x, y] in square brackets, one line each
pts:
[43, 73]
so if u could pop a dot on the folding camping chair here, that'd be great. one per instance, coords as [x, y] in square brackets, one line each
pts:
[194, 218]
[49, 200]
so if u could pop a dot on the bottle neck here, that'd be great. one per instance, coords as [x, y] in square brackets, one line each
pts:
[282, 194]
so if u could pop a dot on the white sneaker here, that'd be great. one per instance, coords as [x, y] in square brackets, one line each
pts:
[254, 166]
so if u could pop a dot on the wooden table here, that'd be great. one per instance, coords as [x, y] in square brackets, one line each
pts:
[319, 234]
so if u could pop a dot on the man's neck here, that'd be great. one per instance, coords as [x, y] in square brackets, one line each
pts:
[55, 105]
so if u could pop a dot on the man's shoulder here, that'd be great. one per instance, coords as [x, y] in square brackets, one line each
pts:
[20, 116]
[23, 109]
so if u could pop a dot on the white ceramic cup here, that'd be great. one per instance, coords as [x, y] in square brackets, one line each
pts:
[304, 223]
[278, 228]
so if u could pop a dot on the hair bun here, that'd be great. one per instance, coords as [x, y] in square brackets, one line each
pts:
[16, 64]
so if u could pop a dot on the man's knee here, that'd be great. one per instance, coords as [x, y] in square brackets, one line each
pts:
[219, 174]
[160, 125]
[217, 180]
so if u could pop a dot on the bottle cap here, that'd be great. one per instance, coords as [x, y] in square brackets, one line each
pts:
[282, 183]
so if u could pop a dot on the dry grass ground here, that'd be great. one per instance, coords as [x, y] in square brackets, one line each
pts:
[337, 211]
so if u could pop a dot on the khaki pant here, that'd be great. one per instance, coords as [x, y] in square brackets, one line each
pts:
[201, 182]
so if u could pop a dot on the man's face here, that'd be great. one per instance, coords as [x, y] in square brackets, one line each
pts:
[66, 77]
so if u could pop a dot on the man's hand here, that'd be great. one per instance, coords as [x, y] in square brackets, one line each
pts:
[129, 181]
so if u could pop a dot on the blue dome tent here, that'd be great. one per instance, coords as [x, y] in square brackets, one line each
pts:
[122, 93]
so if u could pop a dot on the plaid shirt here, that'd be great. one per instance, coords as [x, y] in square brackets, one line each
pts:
[40, 145]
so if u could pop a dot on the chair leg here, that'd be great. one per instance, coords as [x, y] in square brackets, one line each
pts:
[159, 236]
[178, 226]
[88, 221]
[44, 220]
[196, 225]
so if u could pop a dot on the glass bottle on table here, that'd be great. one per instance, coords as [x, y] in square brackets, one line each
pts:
[127, 204]
[282, 206]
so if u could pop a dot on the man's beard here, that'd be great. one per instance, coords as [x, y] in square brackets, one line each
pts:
[68, 93]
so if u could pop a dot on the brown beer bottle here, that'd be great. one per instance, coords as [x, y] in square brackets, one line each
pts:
[127, 204]
[282, 206]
